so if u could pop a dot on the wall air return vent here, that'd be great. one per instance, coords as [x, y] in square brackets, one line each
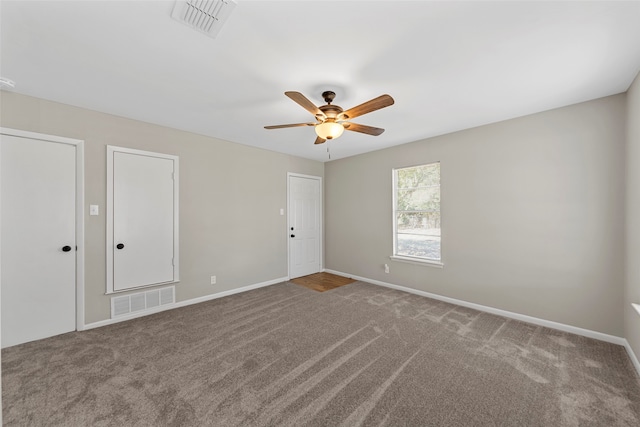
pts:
[206, 16]
[140, 302]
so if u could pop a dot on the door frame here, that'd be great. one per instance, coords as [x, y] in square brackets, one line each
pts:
[111, 150]
[79, 190]
[320, 216]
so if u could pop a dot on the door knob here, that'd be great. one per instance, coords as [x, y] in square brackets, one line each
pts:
[120, 245]
[293, 235]
[291, 228]
[66, 248]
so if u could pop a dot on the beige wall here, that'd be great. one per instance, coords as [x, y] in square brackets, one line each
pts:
[532, 215]
[632, 282]
[230, 197]
[533, 209]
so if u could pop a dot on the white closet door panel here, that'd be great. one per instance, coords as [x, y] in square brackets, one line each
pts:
[143, 220]
[38, 220]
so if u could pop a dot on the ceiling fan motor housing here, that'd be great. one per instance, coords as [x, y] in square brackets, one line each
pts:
[331, 111]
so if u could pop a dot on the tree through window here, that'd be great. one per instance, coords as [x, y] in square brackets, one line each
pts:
[417, 212]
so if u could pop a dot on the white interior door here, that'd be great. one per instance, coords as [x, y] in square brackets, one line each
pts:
[143, 220]
[38, 223]
[305, 216]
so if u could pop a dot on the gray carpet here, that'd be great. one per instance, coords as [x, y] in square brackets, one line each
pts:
[289, 356]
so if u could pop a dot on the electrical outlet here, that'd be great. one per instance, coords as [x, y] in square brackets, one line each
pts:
[213, 280]
[386, 268]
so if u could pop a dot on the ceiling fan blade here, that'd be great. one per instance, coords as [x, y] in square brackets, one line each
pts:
[369, 106]
[289, 126]
[305, 103]
[369, 130]
[319, 140]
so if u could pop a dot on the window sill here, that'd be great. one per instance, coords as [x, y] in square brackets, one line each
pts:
[437, 264]
[637, 307]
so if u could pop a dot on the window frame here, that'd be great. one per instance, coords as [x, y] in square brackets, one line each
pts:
[394, 208]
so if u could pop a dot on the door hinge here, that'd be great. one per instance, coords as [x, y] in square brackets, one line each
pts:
[173, 261]
[173, 176]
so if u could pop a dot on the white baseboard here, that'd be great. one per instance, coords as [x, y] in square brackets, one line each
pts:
[632, 356]
[184, 303]
[529, 319]
[522, 317]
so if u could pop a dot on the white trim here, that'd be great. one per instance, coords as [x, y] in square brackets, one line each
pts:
[185, 303]
[320, 219]
[80, 236]
[109, 224]
[420, 261]
[111, 149]
[39, 136]
[632, 356]
[79, 145]
[231, 292]
[119, 319]
[517, 316]
[142, 287]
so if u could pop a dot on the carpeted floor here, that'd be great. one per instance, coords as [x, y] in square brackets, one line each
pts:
[289, 356]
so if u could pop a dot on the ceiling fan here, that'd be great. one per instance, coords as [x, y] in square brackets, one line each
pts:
[331, 120]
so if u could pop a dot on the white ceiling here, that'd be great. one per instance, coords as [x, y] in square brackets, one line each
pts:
[448, 65]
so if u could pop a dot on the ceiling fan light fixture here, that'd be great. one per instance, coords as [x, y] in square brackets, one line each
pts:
[329, 130]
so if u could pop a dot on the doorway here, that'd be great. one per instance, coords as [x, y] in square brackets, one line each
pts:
[304, 230]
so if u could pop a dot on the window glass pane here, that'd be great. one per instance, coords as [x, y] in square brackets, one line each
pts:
[419, 199]
[419, 246]
[418, 176]
[425, 223]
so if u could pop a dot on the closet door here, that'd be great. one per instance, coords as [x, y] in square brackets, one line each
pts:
[38, 228]
[143, 207]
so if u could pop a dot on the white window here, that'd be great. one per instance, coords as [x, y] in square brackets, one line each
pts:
[416, 213]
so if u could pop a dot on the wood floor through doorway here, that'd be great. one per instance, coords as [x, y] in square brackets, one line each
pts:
[322, 281]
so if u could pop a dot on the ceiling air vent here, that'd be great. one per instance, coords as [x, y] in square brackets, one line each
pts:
[206, 16]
